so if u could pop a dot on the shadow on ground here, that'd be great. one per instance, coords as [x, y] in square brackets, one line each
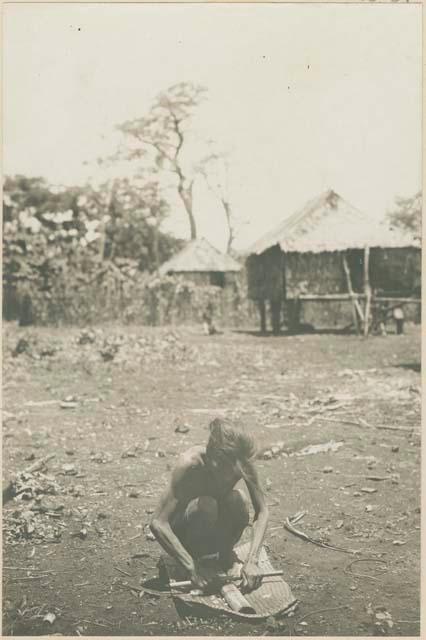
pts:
[411, 366]
[308, 330]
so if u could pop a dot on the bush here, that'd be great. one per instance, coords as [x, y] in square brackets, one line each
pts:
[117, 290]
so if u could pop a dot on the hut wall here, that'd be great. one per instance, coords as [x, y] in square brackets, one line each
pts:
[392, 271]
[231, 305]
[314, 273]
[337, 315]
[326, 315]
[355, 258]
[210, 278]
[232, 277]
[201, 278]
[253, 269]
[396, 271]
[266, 275]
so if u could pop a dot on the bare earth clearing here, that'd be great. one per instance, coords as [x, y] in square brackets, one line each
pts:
[69, 553]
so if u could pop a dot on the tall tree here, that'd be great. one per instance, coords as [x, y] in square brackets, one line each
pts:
[162, 135]
[407, 214]
[215, 170]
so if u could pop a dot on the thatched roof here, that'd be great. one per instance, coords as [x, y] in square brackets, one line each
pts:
[197, 256]
[329, 223]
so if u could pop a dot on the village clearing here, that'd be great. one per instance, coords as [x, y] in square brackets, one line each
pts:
[337, 419]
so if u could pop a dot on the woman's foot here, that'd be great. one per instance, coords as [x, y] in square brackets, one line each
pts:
[230, 562]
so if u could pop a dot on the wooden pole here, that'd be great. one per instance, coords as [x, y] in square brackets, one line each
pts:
[367, 290]
[262, 311]
[276, 316]
[355, 311]
[226, 578]
[398, 300]
[295, 309]
[330, 297]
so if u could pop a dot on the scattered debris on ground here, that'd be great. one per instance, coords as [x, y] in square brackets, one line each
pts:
[348, 450]
[312, 449]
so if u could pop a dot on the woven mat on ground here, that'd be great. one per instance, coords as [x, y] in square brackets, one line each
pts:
[272, 598]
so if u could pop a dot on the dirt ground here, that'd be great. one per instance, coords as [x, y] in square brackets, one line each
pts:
[107, 403]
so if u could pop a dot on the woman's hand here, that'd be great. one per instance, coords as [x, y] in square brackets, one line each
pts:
[198, 578]
[251, 576]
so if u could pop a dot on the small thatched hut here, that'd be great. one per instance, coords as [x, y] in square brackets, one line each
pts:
[201, 263]
[330, 251]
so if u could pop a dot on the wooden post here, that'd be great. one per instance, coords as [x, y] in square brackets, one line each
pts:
[297, 310]
[367, 290]
[276, 316]
[155, 244]
[262, 311]
[295, 315]
[355, 310]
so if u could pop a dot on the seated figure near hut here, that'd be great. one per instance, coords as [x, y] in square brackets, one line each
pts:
[399, 317]
[208, 324]
[26, 314]
[202, 514]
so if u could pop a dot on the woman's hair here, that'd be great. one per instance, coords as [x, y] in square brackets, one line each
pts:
[229, 442]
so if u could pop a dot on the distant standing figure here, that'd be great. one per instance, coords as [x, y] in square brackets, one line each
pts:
[208, 325]
[26, 315]
[398, 316]
[382, 316]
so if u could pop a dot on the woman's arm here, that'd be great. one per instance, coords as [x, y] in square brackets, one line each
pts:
[160, 527]
[170, 505]
[251, 571]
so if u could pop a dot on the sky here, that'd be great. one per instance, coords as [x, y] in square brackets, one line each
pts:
[302, 97]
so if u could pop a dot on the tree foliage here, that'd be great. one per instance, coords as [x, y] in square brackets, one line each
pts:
[407, 214]
[160, 138]
[57, 241]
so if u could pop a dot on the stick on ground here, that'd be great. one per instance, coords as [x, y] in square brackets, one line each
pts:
[303, 536]
[311, 613]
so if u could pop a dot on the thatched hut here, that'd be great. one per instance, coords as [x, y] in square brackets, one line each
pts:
[201, 263]
[329, 251]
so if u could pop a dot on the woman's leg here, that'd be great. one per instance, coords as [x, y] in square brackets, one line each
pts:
[233, 518]
[197, 528]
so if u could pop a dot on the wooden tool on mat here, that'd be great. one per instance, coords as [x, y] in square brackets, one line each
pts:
[229, 591]
[273, 596]
[235, 599]
[223, 577]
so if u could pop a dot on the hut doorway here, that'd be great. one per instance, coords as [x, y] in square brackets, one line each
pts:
[217, 279]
